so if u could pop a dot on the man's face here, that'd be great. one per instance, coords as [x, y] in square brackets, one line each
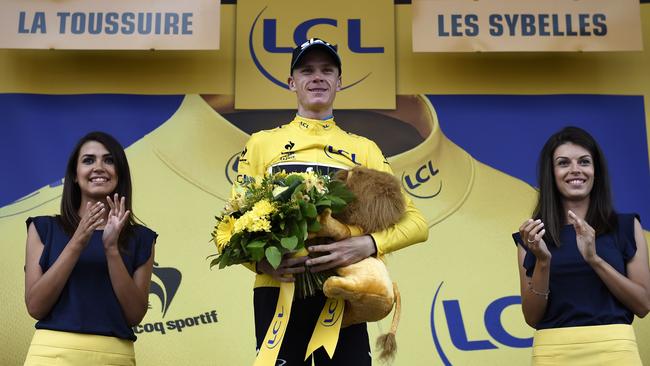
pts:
[315, 80]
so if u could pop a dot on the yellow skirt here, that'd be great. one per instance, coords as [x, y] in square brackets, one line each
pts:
[51, 347]
[613, 344]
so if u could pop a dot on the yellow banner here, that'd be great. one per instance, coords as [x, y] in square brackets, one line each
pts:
[110, 25]
[267, 33]
[506, 25]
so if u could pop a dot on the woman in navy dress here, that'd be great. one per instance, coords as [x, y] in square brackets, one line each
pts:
[88, 269]
[583, 268]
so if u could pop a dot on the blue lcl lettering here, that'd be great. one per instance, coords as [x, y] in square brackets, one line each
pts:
[270, 29]
[420, 176]
[492, 319]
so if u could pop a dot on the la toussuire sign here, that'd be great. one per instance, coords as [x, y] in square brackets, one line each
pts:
[115, 24]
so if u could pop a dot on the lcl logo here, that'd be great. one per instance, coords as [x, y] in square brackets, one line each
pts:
[277, 328]
[334, 312]
[457, 330]
[417, 182]
[232, 167]
[270, 44]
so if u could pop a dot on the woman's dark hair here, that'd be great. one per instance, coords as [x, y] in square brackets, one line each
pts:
[71, 199]
[600, 215]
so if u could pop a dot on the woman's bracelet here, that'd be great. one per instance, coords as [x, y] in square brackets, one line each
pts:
[538, 293]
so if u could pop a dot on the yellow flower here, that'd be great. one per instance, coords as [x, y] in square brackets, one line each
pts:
[261, 225]
[257, 219]
[243, 223]
[224, 232]
[263, 208]
[312, 180]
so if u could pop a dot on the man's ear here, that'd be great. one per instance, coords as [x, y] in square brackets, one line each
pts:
[291, 83]
[338, 83]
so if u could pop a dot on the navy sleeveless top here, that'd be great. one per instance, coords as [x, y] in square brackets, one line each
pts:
[87, 303]
[578, 296]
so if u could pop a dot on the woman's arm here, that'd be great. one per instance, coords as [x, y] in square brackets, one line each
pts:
[533, 290]
[43, 289]
[634, 290]
[132, 293]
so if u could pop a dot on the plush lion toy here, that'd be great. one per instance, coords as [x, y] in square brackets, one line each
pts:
[366, 286]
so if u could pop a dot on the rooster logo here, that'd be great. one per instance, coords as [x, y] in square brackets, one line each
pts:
[164, 284]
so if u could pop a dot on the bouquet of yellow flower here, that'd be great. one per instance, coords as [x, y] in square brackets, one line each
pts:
[270, 217]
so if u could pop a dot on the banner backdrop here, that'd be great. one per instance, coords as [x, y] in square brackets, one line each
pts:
[463, 138]
[468, 169]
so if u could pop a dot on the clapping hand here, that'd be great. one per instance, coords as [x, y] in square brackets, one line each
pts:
[90, 221]
[585, 237]
[117, 218]
[532, 233]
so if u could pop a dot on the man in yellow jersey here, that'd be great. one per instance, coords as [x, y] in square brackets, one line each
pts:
[313, 141]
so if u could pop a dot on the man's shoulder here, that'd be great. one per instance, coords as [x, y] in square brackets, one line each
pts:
[269, 133]
[360, 141]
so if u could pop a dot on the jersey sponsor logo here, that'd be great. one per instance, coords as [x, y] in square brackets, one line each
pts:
[420, 183]
[331, 150]
[289, 154]
[269, 39]
[451, 308]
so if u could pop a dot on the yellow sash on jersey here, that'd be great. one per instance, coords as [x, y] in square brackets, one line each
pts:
[326, 332]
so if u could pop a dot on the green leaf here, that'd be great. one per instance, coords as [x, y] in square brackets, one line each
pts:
[309, 210]
[292, 179]
[294, 230]
[338, 189]
[224, 261]
[273, 256]
[214, 262]
[256, 250]
[303, 229]
[293, 183]
[314, 226]
[289, 243]
[336, 201]
[324, 202]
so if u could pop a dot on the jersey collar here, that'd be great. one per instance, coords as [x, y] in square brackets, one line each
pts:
[313, 126]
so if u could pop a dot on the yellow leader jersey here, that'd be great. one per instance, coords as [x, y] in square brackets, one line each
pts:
[321, 145]
[459, 291]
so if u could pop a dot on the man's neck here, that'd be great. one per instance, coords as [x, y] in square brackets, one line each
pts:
[315, 114]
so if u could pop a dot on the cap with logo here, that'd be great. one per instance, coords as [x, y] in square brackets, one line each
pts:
[312, 44]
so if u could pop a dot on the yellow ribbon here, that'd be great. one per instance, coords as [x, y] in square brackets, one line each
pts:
[275, 334]
[326, 332]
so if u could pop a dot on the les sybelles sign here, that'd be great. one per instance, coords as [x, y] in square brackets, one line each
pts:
[115, 24]
[526, 25]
